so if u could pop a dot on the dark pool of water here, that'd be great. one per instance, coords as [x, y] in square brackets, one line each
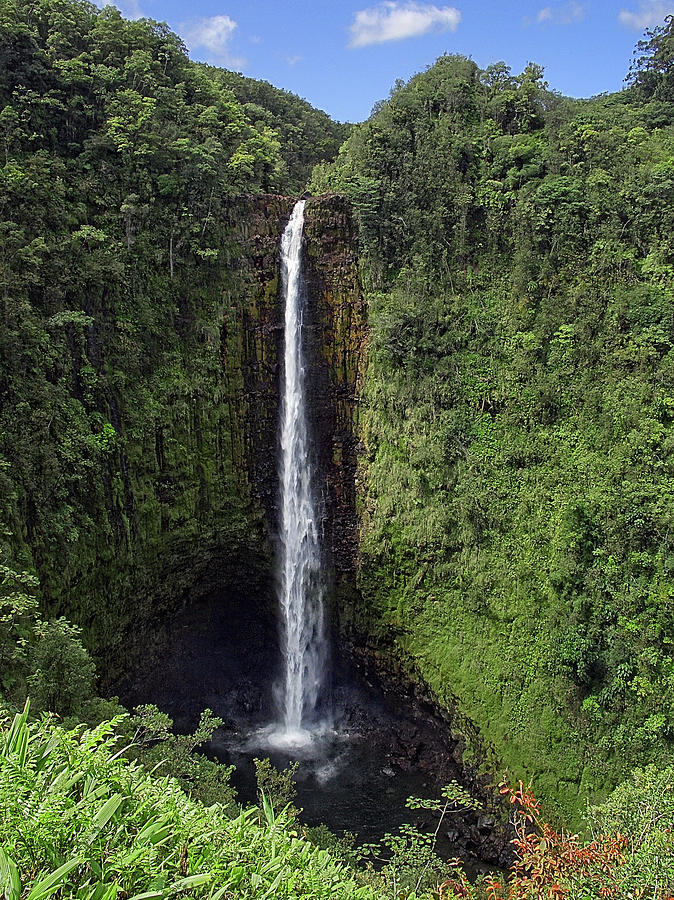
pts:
[340, 781]
[378, 748]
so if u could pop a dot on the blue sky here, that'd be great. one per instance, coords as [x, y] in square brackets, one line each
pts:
[344, 56]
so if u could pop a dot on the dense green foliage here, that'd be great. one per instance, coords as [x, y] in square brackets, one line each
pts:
[119, 289]
[79, 821]
[651, 75]
[307, 135]
[45, 658]
[642, 809]
[128, 807]
[518, 257]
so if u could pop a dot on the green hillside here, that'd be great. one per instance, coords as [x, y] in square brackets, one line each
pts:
[518, 258]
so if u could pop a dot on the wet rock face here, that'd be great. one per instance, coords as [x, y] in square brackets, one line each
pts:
[335, 320]
[336, 362]
[256, 342]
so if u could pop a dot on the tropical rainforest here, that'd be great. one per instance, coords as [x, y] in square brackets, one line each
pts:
[515, 482]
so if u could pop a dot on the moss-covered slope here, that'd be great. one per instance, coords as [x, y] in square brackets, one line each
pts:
[516, 540]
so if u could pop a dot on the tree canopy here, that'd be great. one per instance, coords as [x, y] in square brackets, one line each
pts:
[518, 257]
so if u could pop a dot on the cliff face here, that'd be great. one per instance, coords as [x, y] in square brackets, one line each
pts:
[337, 360]
[168, 408]
[335, 319]
[253, 340]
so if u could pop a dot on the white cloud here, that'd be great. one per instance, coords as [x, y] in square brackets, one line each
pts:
[131, 9]
[214, 35]
[394, 21]
[649, 14]
[293, 60]
[567, 14]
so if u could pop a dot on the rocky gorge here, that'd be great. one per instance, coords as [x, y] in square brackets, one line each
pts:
[172, 572]
[479, 313]
[219, 646]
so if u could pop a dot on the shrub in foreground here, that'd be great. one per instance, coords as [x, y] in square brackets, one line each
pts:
[81, 821]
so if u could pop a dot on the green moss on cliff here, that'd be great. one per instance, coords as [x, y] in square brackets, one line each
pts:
[138, 287]
[516, 541]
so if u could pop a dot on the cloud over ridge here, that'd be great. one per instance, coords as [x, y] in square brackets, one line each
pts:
[395, 21]
[561, 15]
[214, 34]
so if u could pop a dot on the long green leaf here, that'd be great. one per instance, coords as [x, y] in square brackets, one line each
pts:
[154, 831]
[104, 814]
[268, 810]
[64, 781]
[17, 728]
[274, 885]
[10, 883]
[47, 886]
[191, 881]
[220, 893]
[93, 795]
[149, 895]
[44, 753]
[22, 746]
[122, 751]
[98, 892]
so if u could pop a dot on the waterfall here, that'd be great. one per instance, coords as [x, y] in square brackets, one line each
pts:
[301, 589]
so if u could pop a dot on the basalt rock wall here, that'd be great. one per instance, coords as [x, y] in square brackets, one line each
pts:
[153, 477]
[336, 359]
[335, 345]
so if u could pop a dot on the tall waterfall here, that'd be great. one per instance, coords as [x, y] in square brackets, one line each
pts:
[301, 587]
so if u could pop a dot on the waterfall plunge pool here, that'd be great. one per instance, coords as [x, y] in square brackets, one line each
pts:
[378, 746]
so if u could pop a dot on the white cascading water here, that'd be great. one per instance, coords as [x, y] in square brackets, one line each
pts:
[301, 586]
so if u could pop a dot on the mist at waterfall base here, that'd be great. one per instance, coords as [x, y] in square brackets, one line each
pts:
[222, 651]
[347, 776]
